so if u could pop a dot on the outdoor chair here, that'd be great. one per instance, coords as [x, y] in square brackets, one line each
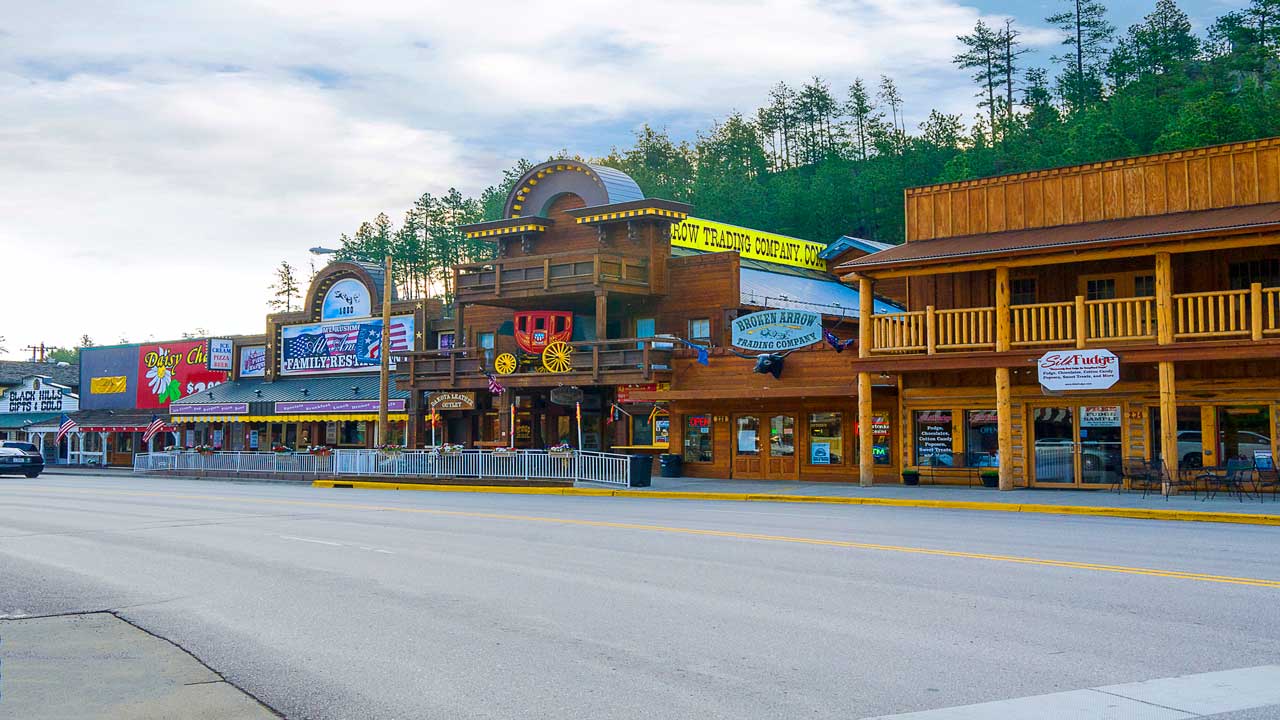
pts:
[1137, 473]
[1231, 478]
[1266, 478]
[1177, 480]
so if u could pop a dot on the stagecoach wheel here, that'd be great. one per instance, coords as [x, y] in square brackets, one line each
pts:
[558, 357]
[505, 364]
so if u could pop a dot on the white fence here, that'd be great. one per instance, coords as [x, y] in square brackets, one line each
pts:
[606, 468]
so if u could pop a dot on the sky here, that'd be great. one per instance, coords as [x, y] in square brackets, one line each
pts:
[158, 160]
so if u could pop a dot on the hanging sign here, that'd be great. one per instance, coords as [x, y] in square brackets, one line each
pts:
[209, 409]
[566, 395]
[452, 401]
[347, 298]
[709, 236]
[1079, 369]
[777, 330]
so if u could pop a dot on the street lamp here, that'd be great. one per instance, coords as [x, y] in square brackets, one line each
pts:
[384, 352]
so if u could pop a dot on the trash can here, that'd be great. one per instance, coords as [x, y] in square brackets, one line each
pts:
[670, 465]
[641, 470]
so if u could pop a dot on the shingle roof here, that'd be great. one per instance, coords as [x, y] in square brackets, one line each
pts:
[285, 389]
[12, 372]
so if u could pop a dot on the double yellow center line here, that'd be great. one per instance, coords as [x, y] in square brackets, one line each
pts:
[644, 527]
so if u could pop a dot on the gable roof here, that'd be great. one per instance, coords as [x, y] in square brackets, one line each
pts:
[13, 371]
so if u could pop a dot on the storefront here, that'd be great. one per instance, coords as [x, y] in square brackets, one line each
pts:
[30, 406]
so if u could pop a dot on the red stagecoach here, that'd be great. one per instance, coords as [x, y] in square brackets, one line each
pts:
[536, 329]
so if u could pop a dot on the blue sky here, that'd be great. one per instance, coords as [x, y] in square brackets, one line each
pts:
[160, 158]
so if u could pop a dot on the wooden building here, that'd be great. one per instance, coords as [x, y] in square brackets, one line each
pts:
[589, 320]
[1019, 288]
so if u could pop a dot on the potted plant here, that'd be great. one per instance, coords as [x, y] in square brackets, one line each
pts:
[910, 476]
[391, 449]
[990, 478]
[560, 449]
[509, 450]
[321, 450]
[204, 449]
[281, 449]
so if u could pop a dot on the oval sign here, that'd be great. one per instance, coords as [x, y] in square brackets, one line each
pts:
[566, 395]
[776, 330]
[347, 298]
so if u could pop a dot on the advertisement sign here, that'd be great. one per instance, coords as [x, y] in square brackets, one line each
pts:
[210, 409]
[709, 236]
[341, 346]
[1100, 416]
[777, 330]
[1078, 369]
[820, 453]
[253, 361]
[221, 355]
[347, 298]
[453, 401]
[36, 395]
[337, 406]
[168, 371]
[566, 395]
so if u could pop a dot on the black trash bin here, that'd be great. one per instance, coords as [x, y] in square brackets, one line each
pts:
[641, 470]
[670, 465]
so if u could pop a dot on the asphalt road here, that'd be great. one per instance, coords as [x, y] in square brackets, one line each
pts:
[368, 604]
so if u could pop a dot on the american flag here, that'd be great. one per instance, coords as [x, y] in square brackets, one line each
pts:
[341, 340]
[307, 345]
[399, 340]
[495, 387]
[65, 426]
[156, 426]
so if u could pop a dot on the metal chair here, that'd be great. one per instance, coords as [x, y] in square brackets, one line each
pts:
[1265, 478]
[1177, 480]
[1232, 478]
[1137, 473]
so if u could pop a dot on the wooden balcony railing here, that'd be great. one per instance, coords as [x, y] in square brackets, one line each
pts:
[1252, 313]
[558, 272]
[641, 358]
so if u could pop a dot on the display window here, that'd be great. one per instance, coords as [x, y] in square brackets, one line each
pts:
[826, 438]
[697, 439]
[933, 438]
[881, 430]
[982, 438]
[352, 432]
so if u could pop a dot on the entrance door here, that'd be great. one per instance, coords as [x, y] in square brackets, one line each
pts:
[1078, 446]
[1055, 447]
[748, 461]
[782, 447]
[764, 447]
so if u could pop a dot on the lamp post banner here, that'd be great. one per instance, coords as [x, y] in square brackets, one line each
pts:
[1096, 369]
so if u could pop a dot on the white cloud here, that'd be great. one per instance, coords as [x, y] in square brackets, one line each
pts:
[165, 156]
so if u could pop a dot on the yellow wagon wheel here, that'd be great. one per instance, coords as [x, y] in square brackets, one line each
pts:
[505, 364]
[558, 357]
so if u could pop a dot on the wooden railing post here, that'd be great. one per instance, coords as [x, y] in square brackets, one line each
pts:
[1082, 323]
[1164, 298]
[546, 273]
[497, 278]
[644, 354]
[595, 269]
[930, 330]
[1255, 311]
[1004, 318]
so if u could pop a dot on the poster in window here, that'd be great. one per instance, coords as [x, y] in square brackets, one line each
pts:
[820, 453]
[746, 441]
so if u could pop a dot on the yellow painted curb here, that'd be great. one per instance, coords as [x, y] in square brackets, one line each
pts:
[1136, 513]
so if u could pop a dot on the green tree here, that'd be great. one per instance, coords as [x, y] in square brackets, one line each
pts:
[1157, 50]
[285, 290]
[864, 121]
[1087, 32]
[984, 54]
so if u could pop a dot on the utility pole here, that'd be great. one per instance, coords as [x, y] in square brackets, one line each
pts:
[384, 383]
[37, 352]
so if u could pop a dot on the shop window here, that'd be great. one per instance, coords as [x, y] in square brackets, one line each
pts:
[352, 432]
[700, 329]
[1244, 274]
[1144, 286]
[124, 442]
[1100, 289]
[1190, 438]
[641, 430]
[395, 432]
[782, 436]
[1022, 291]
[826, 438]
[880, 436]
[444, 341]
[933, 432]
[747, 435]
[981, 438]
[697, 439]
[1244, 433]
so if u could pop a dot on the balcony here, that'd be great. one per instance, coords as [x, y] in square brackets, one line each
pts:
[622, 361]
[535, 276]
[1252, 314]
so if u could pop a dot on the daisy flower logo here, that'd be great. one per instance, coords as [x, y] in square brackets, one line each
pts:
[160, 376]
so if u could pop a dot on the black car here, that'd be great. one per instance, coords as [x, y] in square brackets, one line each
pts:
[20, 458]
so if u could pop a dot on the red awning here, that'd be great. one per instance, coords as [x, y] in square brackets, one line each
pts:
[120, 428]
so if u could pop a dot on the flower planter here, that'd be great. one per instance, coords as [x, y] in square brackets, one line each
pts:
[990, 479]
[910, 477]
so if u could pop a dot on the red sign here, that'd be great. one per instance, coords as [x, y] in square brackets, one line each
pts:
[624, 391]
[170, 371]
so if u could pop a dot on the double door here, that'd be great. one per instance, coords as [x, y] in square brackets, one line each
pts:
[765, 446]
[1077, 445]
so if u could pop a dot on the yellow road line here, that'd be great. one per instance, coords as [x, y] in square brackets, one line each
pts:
[1095, 567]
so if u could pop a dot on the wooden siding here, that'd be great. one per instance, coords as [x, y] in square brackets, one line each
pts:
[1245, 173]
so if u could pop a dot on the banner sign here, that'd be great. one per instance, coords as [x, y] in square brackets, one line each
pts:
[337, 406]
[452, 401]
[1078, 369]
[253, 361]
[709, 236]
[221, 356]
[777, 330]
[346, 299]
[169, 371]
[210, 409]
[109, 385]
[341, 346]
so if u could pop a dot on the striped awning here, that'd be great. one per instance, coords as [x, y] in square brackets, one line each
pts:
[283, 418]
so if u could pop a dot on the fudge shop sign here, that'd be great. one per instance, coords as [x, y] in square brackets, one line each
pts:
[1078, 369]
[777, 330]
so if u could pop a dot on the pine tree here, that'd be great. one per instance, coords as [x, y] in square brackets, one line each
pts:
[1086, 30]
[1010, 51]
[863, 117]
[985, 56]
[286, 290]
[889, 95]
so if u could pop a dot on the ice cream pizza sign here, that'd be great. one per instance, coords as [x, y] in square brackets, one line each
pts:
[1096, 369]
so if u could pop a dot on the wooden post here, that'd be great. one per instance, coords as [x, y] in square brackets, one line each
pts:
[1004, 318]
[602, 315]
[1082, 323]
[1209, 435]
[930, 330]
[1168, 420]
[497, 278]
[1164, 300]
[866, 442]
[384, 354]
[1004, 427]
[866, 308]
[546, 273]
[1255, 311]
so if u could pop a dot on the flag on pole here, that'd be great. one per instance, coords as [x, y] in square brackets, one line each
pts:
[157, 425]
[495, 387]
[578, 408]
[704, 357]
[836, 342]
[65, 426]
[513, 423]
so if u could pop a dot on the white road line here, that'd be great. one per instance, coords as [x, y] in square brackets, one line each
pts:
[1175, 698]
[309, 540]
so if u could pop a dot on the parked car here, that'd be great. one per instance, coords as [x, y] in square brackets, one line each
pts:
[1190, 447]
[20, 458]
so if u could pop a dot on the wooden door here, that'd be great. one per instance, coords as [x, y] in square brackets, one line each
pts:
[781, 450]
[748, 459]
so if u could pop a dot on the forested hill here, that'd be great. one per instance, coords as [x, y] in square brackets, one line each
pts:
[818, 162]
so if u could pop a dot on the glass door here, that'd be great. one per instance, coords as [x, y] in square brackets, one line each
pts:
[1101, 449]
[747, 460]
[782, 447]
[1055, 447]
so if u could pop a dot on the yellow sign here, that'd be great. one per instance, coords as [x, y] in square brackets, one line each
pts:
[107, 385]
[709, 236]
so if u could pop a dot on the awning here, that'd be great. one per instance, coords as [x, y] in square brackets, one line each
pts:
[283, 418]
[118, 428]
[23, 421]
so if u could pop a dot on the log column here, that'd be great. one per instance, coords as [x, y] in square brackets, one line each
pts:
[866, 439]
[1004, 400]
[1168, 394]
[602, 314]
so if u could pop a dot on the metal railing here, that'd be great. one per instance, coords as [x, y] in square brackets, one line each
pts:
[571, 466]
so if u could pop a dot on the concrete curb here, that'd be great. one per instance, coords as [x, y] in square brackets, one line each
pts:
[1137, 513]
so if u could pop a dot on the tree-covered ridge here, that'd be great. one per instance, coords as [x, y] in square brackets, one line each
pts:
[817, 163]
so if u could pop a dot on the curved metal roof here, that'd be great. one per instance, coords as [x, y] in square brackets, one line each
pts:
[595, 184]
